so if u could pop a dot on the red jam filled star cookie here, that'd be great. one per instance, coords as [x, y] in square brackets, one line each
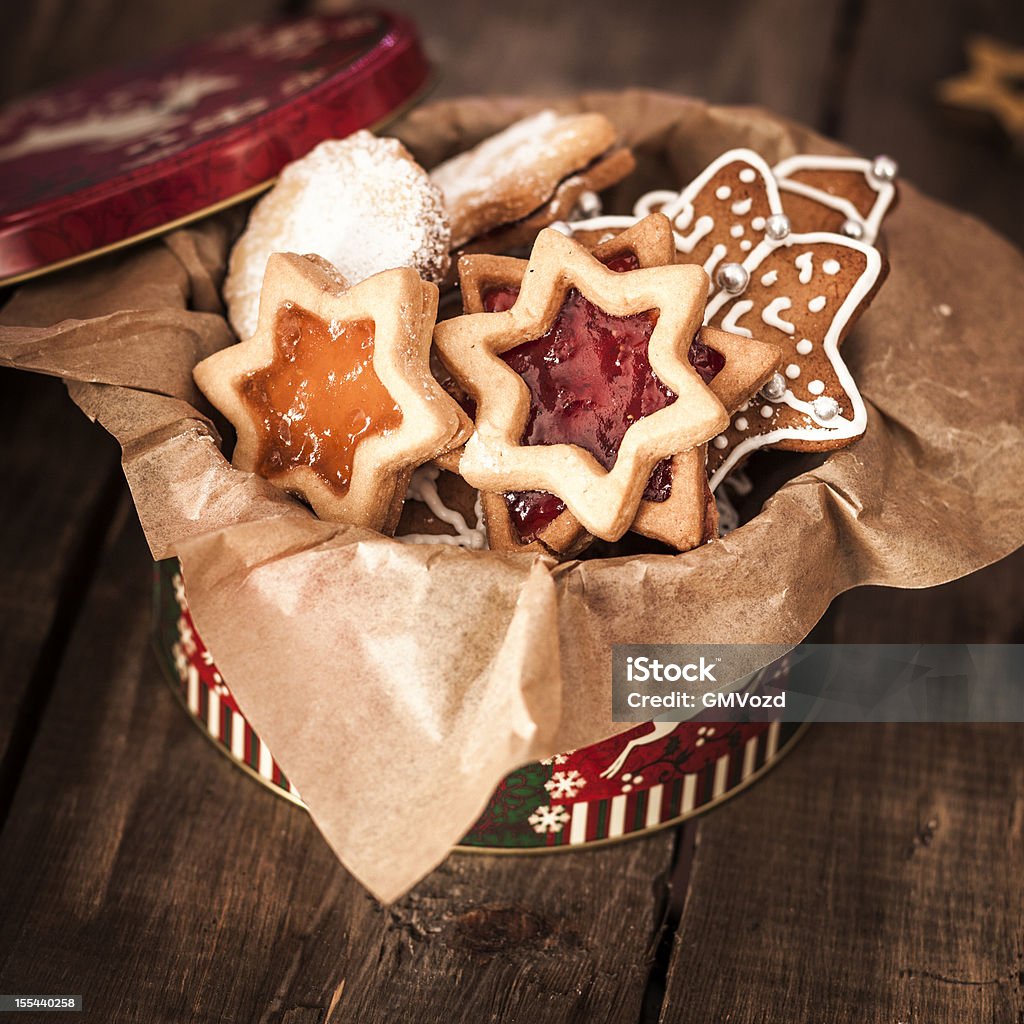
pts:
[675, 505]
[582, 385]
[332, 397]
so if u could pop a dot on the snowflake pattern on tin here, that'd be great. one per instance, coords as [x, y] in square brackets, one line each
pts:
[548, 819]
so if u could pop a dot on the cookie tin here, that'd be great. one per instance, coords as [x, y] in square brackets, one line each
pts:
[120, 156]
[654, 775]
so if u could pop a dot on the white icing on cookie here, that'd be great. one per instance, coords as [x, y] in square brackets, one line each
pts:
[737, 230]
[423, 488]
[714, 259]
[885, 191]
[742, 207]
[831, 267]
[850, 425]
[770, 314]
[817, 304]
[792, 371]
[723, 192]
[805, 264]
[770, 278]
[738, 310]
[748, 175]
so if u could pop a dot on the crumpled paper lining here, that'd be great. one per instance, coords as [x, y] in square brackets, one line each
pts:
[396, 684]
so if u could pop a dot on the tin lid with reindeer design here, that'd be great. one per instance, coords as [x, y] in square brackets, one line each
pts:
[120, 156]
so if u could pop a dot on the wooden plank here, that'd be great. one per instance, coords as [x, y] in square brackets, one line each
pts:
[60, 479]
[874, 877]
[730, 53]
[890, 105]
[132, 842]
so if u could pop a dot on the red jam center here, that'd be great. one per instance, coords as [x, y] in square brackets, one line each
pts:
[589, 379]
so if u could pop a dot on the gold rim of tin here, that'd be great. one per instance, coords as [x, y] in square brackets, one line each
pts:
[206, 211]
[494, 851]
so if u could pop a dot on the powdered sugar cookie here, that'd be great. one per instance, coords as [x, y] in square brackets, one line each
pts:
[361, 203]
[521, 169]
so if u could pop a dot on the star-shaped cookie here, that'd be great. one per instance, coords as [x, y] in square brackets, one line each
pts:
[332, 398]
[529, 375]
[675, 509]
[991, 84]
[847, 195]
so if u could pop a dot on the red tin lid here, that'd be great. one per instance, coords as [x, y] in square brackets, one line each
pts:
[120, 156]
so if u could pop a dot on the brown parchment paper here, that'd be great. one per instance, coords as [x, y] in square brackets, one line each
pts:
[396, 685]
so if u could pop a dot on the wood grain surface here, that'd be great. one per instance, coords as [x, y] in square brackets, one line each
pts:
[872, 877]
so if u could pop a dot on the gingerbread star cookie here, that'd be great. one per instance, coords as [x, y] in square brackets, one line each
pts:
[582, 385]
[332, 398]
[847, 195]
[804, 293]
[503, 191]
[362, 203]
[991, 84]
[675, 506]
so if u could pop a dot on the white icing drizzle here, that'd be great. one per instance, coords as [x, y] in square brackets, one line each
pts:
[771, 314]
[792, 371]
[816, 387]
[805, 264]
[742, 207]
[804, 347]
[737, 230]
[817, 304]
[885, 191]
[423, 488]
[723, 192]
[717, 254]
[831, 267]
[770, 278]
[739, 309]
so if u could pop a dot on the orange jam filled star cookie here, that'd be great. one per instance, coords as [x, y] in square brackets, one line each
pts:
[332, 398]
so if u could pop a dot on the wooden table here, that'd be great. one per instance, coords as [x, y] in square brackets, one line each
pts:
[874, 876]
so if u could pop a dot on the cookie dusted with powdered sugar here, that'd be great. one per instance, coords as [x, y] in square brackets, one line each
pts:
[362, 203]
[536, 168]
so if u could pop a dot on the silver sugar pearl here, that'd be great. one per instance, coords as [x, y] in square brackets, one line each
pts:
[884, 168]
[775, 388]
[776, 227]
[853, 229]
[825, 408]
[732, 278]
